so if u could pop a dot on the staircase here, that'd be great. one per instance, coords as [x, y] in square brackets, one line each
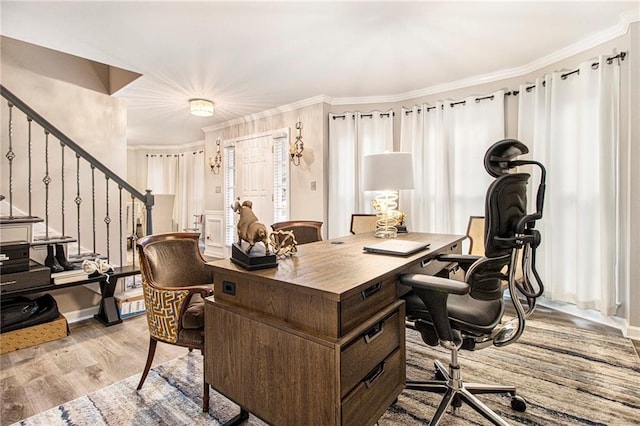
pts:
[55, 195]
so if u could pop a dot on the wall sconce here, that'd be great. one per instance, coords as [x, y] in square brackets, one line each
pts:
[201, 107]
[216, 162]
[296, 148]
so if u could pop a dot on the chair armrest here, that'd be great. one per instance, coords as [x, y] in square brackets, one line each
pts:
[459, 258]
[431, 283]
[203, 290]
[434, 292]
[464, 261]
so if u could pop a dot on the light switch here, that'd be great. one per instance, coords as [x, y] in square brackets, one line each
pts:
[218, 189]
[313, 185]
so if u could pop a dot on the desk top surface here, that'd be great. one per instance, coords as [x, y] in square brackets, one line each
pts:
[339, 266]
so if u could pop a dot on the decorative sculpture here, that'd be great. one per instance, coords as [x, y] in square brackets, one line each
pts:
[284, 243]
[249, 229]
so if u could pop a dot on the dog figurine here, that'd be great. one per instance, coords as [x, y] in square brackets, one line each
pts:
[249, 229]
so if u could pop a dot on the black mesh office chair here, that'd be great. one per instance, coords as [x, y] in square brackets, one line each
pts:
[469, 315]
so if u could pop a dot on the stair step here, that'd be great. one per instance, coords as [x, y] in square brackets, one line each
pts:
[19, 219]
[75, 258]
[60, 239]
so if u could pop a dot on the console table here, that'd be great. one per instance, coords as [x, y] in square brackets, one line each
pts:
[320, 339]
[108, 311]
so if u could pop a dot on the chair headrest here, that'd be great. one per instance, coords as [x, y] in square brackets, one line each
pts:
[498, 157]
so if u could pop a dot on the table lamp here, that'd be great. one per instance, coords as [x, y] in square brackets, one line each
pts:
[387, 172]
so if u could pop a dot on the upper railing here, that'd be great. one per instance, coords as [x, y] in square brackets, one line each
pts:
[19, 187]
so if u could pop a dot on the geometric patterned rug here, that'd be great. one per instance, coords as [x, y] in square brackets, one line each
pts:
[568, 376]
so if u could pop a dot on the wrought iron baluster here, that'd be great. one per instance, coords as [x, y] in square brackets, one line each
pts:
[10, 156]
[134, 235]
[62, 187]
[29, 155]
[47, 182]
[78, 199]
[120, 221]
[93, 207]
[107, 219]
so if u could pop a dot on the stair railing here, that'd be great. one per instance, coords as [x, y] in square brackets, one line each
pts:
[111, 179]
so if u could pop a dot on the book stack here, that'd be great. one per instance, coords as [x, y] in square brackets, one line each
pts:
[69, 276]
[130, 303]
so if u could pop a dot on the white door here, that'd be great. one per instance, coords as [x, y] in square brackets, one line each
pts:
[254, 176]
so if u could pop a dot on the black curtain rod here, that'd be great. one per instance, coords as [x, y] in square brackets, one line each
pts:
[595, 65]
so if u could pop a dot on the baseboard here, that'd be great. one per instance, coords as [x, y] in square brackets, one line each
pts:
[633, 333]
[591, 315]
[80, 315]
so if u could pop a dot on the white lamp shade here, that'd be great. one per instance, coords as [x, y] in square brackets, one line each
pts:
[390, 171]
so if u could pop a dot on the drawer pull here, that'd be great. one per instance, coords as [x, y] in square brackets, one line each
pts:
[425, 262]
[371, 290]
[373, 376]
[374, 332]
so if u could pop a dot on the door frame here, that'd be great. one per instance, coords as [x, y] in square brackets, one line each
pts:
[280, 148]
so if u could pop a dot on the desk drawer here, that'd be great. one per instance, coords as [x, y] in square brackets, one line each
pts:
[378, 389]
[368, 350]
[364, 304]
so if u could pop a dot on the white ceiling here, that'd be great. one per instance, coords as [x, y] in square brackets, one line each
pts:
[249, 57]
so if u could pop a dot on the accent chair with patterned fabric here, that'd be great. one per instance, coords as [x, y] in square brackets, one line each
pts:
[175, 281]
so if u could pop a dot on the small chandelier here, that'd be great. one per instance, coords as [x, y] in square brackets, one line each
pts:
[201, 107]
[216, 162]
[296, 148]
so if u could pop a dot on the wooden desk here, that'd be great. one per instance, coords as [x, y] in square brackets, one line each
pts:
[318, 340]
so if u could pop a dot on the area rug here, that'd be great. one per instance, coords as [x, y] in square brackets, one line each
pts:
[567, 375]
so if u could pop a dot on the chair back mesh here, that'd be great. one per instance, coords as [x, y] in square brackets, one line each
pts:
[506, 203]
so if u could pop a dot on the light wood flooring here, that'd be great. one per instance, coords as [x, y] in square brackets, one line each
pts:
[93, 356]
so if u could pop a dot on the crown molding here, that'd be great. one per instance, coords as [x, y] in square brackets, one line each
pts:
[269, 113]
[186, 146]
[625, 20]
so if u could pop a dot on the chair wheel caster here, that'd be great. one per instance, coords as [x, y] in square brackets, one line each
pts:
[518, 403]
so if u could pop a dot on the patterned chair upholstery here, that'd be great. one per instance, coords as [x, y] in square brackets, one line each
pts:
[175, 279]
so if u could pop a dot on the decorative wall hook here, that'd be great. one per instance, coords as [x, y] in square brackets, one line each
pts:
[296, 148]
[216, 162]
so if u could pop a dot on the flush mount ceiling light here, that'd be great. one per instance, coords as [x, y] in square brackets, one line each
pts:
[201, 107]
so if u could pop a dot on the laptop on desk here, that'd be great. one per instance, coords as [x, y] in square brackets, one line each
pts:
[396, 247]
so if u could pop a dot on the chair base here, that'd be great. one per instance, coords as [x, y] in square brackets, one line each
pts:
[455, 392]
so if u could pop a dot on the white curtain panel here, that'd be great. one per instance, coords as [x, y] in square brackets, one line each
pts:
[342, 177]
[352, 136]
[374, 132]
[162, 173]
[572, 125]
[448, 144]
[189, 199]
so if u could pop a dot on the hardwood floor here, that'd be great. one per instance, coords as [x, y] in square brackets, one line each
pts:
[93, 356]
